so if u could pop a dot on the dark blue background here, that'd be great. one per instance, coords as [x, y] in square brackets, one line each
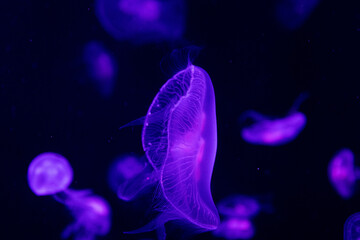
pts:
[48, 105]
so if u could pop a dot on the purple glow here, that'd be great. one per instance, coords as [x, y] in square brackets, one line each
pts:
[101, 67]
[342, 173]
[142, 20]
[234, 228]
[129, 175]
[274, 132]
[92, 214]
[180, 140]
[293, 13]
[239, 206]
[49, 173]
[352, 227]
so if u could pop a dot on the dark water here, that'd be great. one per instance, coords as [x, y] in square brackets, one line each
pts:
[47, 104]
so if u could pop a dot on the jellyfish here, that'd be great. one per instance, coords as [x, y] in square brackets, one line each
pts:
[234, 228]
[142, 21]
[129, 175]
[179, 138]
[274, 132]
[342, 173]
[239, 206]
[101, 67]
[291, 14]
[51, 174]
[352, 227]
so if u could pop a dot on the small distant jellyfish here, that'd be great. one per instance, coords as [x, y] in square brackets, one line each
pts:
[129, 175]
[179, 138]
[101, 67]
[292, 14]
[239, 206]
[274, 132]
[352, 227]
[142, 21]
[234, 228]
[342, 173]
[51, 174]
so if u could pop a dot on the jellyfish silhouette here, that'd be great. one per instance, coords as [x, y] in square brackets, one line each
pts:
[101, 67]
[142, 21]
[352, 227]
[179, 138]
[291, 14]
[239, 206]
[342, 173]
[234, 228]
[51, 174]
[274, 132]
[129, 175]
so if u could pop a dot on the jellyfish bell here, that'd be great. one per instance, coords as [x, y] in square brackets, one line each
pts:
[292, 14]
[274, 131]
[240, 206]
[235, 228]
[142, 21]
[129, 175]
[342, 173]
[49, 173]
[101, 67]
[179, 138]
[352, 227]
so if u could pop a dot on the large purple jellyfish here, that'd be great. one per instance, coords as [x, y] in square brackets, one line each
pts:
[129, 175]
[142, 20]
[234, 228]
[180, 139]
[274, 132]
[342, 173]
[100, 66]
[51, 174]
[239, 206]
[293, 13]
[352, 227]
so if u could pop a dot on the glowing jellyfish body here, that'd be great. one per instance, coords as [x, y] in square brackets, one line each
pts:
[234, 228]
[180, 139]
[275, 132]
[142, 20]
[352, 227]
[342, 173]
[293, 13]
[129, 175]
[100, 66]
[239, 206]
[51, 174]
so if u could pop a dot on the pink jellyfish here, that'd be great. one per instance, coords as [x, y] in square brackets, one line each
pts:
[235, 228]
[239, 206]
[51, 174]
[274, 132]
[352, 227]
[179, 138]
[342, 173]
[101, 67]
[129, 175]
[142, 21]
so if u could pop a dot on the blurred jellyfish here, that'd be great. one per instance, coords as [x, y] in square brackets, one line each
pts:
[101, 67]
[342, 173]
[239, 206]
[179, 138]
[291, 14]
[274, 132]
[51, 174]
[129, 175]
[352, 227]
[142, 20]
[235, 228]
